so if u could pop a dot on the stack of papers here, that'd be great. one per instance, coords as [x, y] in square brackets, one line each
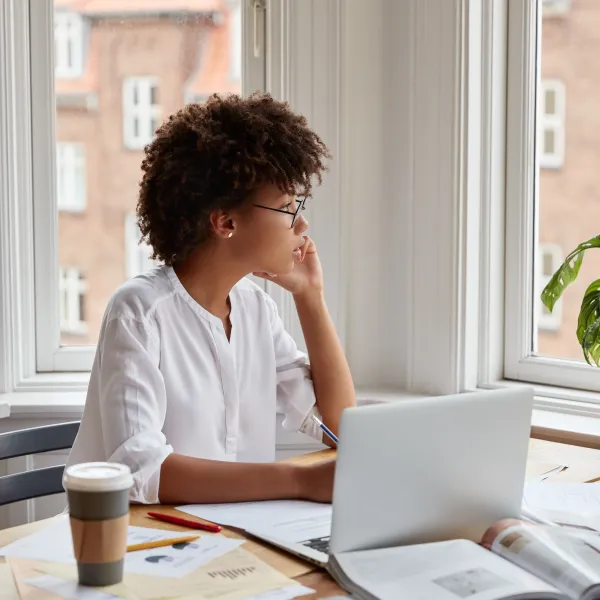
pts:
[54, 544]
[213, 567]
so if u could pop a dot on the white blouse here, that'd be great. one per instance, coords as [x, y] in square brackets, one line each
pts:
[166, 379]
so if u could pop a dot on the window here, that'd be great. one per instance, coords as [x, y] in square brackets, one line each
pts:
[72, 301]
[157, 59]
[555, 7]
[68, 44]
[138, 259]
[549, 259]
[141, 111]
[552, 124]
[549, 200]
[70, 177]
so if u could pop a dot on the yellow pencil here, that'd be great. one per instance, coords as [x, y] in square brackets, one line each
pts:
[160, 543]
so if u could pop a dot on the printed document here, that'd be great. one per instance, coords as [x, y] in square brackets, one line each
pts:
[576, 504]
[287, 520]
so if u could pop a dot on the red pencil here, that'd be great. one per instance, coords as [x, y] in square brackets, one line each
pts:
[185, 522]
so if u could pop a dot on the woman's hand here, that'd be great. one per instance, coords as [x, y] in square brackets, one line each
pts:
[307, 275]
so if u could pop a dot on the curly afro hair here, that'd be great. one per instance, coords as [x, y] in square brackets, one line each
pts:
[212, 156]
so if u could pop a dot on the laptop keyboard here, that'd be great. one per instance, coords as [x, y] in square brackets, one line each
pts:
[319, 544]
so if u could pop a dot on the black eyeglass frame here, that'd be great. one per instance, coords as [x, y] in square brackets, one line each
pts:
[301, 207]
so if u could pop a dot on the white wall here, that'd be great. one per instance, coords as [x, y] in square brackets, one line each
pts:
[404, 142]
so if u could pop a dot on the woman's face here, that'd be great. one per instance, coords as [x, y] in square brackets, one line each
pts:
[264, 236]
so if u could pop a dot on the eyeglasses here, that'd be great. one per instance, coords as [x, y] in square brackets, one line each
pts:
[301, 207]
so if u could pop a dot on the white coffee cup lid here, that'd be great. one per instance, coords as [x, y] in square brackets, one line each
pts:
[97, 477]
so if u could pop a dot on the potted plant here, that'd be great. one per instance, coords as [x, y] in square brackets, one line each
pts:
[588, 324]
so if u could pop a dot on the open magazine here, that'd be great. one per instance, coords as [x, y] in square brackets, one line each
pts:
[514, 560]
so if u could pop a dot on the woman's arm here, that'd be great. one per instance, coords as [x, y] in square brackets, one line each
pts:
[187, 480]
[334, 389]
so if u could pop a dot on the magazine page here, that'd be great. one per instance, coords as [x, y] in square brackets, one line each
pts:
[436, 571]
[556, 555]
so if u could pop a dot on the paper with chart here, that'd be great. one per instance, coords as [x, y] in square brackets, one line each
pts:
[233, 576]
[436, 571]
[54, 544]
[177, 560]
[576, 504]
[288, 520]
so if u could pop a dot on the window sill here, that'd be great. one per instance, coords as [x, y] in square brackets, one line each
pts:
[44, 405]
[578, 430]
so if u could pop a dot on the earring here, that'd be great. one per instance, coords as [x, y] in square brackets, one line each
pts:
[230, 234]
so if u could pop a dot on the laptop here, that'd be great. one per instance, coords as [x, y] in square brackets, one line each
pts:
[422, 470]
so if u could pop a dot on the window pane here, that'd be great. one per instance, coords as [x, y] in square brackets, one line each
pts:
[548, 264]
[180, 59]
[550, 102]
[569, 163]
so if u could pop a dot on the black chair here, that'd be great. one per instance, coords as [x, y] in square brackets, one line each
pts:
[39, 482]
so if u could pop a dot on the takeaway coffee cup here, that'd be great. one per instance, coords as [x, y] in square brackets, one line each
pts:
[98, 495]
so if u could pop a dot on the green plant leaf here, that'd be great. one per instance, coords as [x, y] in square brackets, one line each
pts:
[588, 325]
[566, 273]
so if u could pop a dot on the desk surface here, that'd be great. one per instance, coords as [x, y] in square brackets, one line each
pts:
[583, 465]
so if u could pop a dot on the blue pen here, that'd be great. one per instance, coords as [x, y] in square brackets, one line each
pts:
[326, 429]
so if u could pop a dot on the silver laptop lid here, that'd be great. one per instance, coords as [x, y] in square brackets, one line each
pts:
[429, 469]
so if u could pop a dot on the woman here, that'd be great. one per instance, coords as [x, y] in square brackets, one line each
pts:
[193, 361]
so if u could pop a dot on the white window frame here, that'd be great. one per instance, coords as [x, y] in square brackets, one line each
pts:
[520, 362]
[552, 122]
[139, 108]
[72, 290]
[70, 177]
[137, 260]
[69, 31]
[31, 356]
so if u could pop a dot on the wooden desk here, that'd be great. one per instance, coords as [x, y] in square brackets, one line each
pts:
[583, 465]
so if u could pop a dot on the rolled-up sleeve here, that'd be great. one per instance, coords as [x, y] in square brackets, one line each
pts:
[133, 403]
[295, 390]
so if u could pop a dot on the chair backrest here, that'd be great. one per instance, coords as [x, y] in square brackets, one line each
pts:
[39, 482]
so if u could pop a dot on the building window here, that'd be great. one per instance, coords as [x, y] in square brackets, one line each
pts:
[72, 301]
[141, 111]
[549, 259]
[552, 124]
[70, 177]
[555, 7]
[235, 42]
[138, 259]
[68, 44]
